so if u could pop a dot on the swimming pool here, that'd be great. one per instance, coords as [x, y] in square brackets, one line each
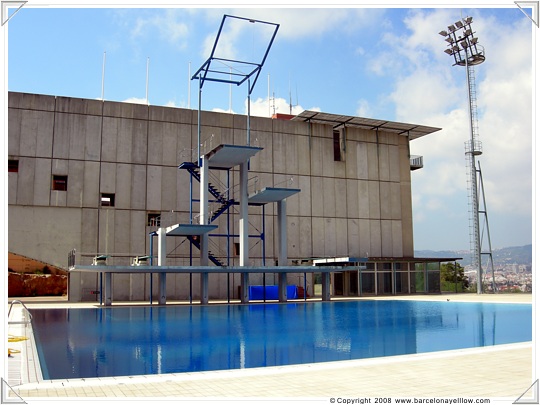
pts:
[123, 341]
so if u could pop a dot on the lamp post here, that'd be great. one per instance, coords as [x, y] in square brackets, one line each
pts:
[464, 48]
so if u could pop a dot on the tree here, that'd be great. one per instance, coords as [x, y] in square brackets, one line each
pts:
[454, 273]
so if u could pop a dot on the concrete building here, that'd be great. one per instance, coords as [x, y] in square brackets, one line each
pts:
[100, 177]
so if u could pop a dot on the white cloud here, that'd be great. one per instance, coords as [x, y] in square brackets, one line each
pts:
[135, 100]
[429, 90]
[364, 109]
[171, 24]
[260, 107]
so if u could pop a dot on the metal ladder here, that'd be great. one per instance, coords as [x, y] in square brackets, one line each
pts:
[29, 321]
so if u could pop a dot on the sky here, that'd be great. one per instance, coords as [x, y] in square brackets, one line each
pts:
[383, 62]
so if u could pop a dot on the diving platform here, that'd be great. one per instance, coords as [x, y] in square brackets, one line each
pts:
[107, 272]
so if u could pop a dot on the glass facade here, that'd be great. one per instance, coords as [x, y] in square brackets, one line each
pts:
[388, 278]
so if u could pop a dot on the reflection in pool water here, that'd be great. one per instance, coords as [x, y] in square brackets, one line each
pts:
[121, 341]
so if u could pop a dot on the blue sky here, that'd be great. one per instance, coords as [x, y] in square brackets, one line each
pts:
[384, 63]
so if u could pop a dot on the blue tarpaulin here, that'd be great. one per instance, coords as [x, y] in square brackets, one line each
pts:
[256, 292]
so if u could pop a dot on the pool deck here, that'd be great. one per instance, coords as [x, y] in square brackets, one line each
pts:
[502, 373]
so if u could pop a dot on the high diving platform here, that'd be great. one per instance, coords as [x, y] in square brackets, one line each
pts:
[221, 157]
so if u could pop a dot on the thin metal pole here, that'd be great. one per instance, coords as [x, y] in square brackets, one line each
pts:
[487, 228]
[189, 87]
[199, 124]
[249, 113]
[103, 77]
[151, 264]
[147, 69]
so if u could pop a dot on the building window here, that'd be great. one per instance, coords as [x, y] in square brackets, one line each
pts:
[154, 219]
[339, 146]
[107, 200]
[59, 183]
[236, 248]
[13, 166]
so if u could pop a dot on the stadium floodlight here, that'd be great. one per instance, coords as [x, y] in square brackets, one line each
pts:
[443, 33]
[469, 54]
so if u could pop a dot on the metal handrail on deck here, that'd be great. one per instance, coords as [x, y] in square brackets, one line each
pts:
[19, 322]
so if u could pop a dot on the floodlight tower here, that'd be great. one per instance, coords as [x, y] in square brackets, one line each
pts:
[464, 47]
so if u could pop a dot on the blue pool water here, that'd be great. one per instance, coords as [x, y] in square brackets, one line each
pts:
[121, 341]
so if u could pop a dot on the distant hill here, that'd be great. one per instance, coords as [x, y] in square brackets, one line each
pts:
[507, 255]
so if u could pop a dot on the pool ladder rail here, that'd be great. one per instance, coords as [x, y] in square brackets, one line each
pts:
[24, 322]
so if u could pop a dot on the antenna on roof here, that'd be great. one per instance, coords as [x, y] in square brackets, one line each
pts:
[147, 68]
[103, 77]
[189, 87]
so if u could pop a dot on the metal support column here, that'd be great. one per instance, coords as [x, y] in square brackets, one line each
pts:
[162, 256]
[244, 228]
[325, 286]
[108, 289]
[282, 248]
[203, 220]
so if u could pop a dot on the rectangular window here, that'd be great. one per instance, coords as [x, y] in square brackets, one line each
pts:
[107, 200]
[339, 146]
[59, 183]
[13, 166]
[154, 219]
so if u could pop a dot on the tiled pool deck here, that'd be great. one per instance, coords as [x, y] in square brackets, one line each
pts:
[502, 373]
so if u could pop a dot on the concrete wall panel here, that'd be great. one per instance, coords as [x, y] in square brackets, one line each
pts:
[91, 197]
[375, 234]
[25, 177]
[109, 139]
[384, 164]
[54, 231]
[352, 199]
[328, 192]
[107, 183]
[304, 196]
[12, 188]
[330, 239]
[386, 238]
[385, 199]
[89, 233]
[153, 188]
[393, 163]
[341, 191]
[363, 199]
[341, 237]
[138, 187]
[42, 181]
[75, 187]
[362, 167]
[165, 114]
[123, 186]
[168, 196]
[364, 248]
[106, 232]
[31, 101]
[353, 237]
[125, 110]
[374, 199]
[397, 239]
[373, 161]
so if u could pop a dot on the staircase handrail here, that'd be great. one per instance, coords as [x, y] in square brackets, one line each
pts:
[27, 311]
